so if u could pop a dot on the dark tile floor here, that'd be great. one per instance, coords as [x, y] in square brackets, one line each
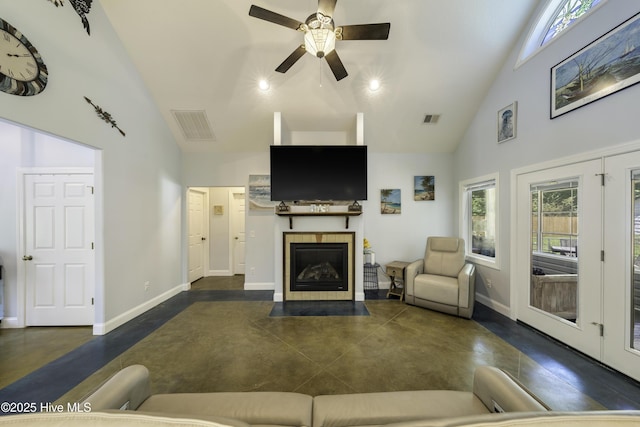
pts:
[218, 337]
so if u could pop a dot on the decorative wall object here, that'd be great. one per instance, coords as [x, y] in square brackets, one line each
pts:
[22, 71]
[507, 121]
[260, 193]
[424, 188]
[82, 8]
[605, 66]
[105, 116]
[390, 202]
[218, 209]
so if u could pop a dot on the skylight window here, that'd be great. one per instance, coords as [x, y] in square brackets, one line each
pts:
[556, 17]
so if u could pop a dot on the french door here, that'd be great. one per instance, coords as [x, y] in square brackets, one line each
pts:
[578, 257]
[622, 263]
[559, 220]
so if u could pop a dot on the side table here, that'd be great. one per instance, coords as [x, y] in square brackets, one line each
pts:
[396, 269]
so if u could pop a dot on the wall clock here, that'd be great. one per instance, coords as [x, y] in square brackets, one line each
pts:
[22, 71]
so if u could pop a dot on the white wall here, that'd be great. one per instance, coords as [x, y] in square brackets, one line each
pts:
[394, 237]
[606, 122]
[139, 193]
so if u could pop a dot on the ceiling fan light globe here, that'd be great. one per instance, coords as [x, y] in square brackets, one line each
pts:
[320, 41]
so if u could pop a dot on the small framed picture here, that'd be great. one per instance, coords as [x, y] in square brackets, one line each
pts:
[424, 188]
[390, 202]
[507, 120]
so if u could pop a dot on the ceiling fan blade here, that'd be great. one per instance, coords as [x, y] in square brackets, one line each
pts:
[366, 31]
[276, 18]
[291, 59]
[336, 65]
[326, 7]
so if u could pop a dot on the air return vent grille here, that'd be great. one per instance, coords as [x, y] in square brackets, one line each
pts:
[194, 125]
[431, 118]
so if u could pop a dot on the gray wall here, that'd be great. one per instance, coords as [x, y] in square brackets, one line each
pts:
[607, 122]
[139, 192]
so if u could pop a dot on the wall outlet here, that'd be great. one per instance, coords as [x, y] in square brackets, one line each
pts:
[489, 284]
[252, 271]
[252, 233]
[147, 285]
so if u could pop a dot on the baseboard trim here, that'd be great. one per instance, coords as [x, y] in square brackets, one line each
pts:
[10, 323]
[110, 325]
[257, 286]
[278, 297]
[494, 305]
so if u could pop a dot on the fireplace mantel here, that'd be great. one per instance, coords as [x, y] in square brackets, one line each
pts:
[346, 216]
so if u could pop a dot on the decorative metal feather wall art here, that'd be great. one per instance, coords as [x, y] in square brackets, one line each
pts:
[82, 8]
[105, 116]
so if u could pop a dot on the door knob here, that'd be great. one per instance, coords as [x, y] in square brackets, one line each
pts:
[236, 238]
[27, 258]
[203, 238]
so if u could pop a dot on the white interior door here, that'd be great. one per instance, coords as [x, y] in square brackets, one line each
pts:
[559, 225]
[197, 238]
[622, 264]
[59, 249]
[238, 232]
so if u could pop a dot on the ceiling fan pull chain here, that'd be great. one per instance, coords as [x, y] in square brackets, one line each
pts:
[320, 69]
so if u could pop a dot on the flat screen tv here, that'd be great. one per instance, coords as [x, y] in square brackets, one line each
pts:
[318, 172]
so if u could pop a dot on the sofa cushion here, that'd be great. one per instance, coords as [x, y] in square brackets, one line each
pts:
[255, 408]
[442, 289]
[100, 419]
[369, 409]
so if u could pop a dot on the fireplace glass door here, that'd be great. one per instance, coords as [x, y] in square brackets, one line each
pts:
[319, 266]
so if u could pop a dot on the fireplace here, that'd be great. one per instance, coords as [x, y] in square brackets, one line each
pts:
[319, 266]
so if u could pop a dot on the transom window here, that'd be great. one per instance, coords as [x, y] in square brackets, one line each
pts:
[568, 12]
[556, 17]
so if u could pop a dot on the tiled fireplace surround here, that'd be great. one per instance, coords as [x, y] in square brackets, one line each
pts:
[319, 229]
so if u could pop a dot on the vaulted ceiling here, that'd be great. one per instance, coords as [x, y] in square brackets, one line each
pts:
[441, 57]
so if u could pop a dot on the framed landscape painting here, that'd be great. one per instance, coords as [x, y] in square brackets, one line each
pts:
[424, 188]
[390, 202]
[605, 66]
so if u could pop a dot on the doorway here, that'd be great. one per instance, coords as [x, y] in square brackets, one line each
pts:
[58, 243]
[218, 228]
[578, 256]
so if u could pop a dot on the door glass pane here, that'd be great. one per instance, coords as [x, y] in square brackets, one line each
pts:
[635, 279]
[554, 248]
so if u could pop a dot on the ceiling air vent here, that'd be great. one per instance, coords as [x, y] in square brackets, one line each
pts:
[431, 118]
[194, 125]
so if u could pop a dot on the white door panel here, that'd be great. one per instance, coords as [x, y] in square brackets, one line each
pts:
[580, 329]
[59, 253]
[196, 202]
[621, 267]
[238, 230]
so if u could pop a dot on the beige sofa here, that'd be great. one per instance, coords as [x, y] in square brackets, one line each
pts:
[124, 400]
[493, 391]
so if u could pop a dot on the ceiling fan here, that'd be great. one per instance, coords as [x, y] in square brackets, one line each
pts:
[320, 35]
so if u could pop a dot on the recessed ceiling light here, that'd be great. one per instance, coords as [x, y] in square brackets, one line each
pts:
[374, 85]
[263, 85]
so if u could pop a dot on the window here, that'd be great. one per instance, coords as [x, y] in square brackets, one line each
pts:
[567, 13]
[556, 17]
[479, 205]
[554, 217]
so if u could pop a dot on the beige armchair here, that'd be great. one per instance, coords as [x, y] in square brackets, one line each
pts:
[442, 281]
